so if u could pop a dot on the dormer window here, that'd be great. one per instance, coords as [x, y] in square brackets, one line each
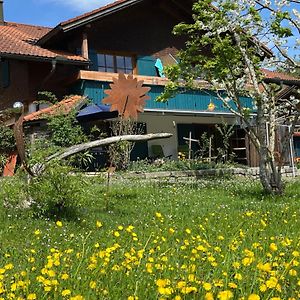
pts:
[115, 63]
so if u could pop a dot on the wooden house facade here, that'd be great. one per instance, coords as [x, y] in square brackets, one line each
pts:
[82, 55]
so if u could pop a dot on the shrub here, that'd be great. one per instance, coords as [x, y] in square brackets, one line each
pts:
[57, 191]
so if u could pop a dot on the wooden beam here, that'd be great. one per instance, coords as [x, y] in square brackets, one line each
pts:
[108, 77]
[85, 46]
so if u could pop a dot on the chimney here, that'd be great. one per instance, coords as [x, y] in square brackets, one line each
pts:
[1, 13]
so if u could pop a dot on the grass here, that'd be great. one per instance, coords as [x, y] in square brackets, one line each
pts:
[210, 239]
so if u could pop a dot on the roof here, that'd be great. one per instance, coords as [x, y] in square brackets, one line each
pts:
[65, 106]
[19, 40]
[89, 16]
[279, 76]
[93, 12]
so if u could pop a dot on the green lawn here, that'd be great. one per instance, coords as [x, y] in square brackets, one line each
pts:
[210, 239]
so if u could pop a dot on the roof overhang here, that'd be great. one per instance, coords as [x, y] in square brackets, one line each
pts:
[88, 18]
[58, 59]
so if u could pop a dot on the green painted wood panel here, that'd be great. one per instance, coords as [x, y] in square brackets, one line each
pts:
[146, 65]
[184, 101]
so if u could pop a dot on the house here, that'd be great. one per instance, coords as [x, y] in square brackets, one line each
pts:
[83, 54]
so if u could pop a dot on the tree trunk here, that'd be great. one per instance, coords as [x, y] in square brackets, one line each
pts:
[270, 174]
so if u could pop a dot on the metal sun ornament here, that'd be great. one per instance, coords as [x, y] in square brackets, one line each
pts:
[127, 95]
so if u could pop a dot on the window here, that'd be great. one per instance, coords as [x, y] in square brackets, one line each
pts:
[115, 63]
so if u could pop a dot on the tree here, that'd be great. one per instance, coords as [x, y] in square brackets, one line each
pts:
[225, 48]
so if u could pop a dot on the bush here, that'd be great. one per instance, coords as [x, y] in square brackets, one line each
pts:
[57, 192]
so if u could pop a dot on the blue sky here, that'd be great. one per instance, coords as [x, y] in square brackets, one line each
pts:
[47, 12]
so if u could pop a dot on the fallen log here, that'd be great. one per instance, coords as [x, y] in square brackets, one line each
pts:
[107, 141]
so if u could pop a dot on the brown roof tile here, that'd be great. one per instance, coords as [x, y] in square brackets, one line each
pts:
[19, 39]
[279, 75]
[64, 106]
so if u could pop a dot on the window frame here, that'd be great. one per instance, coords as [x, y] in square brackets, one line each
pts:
[115, 54]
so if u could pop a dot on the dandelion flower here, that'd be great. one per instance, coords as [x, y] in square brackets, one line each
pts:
[59, 223]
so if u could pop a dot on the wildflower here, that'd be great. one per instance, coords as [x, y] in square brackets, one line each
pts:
[8, 266]
[232, 285]
[272, 282]
[129, 228]
[171, 230]
[225, 295]
[98, 224]
[209, 296]
[253, 297]
[31, 296]
[247, 261]
[264, 267]
[59, 223]
[116, 234]
[207, 286]
[37, 232]
[77, 297]
[158, 215]
[188, 289]
[165, 291]
[132, 298]
[64, 276]
[273, 247]
[238, 276]
[65, 293]
[162, 282]
[93, 285]
[293, 272]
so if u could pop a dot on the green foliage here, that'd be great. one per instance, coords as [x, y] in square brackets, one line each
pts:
[13, 191]
[175, 165]
[57, 192]
[65, 131]
[7, 140]
[46, 97]
[226, 131]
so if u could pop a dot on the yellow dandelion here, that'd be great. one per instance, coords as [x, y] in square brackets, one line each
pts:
[98, 224]
[65, 293]
[253, 297]
[59, 223]
[209, 296]
[31, 296]
[225, 295]
[64, 276]
[207, 286]
[93, 285]
[273, 247]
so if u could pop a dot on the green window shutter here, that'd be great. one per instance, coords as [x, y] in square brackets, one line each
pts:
[5, 74]
[146, 65]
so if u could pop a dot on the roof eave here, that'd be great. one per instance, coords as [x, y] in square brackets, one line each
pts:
[40, 58]
[49, 35]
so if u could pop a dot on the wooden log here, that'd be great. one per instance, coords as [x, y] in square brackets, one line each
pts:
[107, 141]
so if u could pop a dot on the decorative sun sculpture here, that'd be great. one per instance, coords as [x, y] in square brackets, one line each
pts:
[127, 96]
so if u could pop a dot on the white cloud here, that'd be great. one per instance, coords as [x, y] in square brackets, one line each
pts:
[80, 5]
